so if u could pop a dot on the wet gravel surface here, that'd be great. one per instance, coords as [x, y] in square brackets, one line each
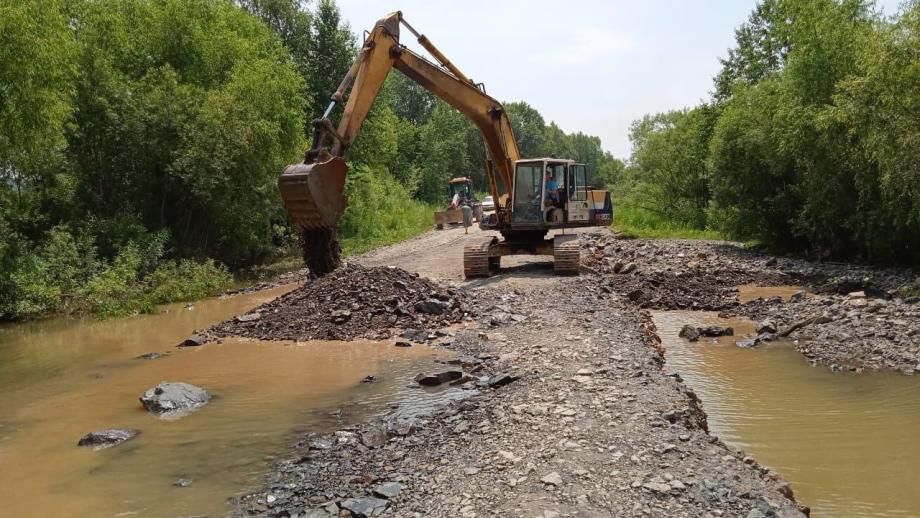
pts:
[569, 414]
[565, 411]
[352, 302]
[852, 317]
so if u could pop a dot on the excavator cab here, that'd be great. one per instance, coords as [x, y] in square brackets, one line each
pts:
[549, 191]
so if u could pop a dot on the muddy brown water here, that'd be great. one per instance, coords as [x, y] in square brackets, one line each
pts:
[61, 379]
[749, 292]
[848, 443]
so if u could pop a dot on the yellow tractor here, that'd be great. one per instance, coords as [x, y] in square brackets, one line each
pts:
[532, 196]
[460, 193]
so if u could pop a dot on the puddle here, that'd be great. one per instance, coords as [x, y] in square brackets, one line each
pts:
[848, 443]
[62, 379]
[749, 292]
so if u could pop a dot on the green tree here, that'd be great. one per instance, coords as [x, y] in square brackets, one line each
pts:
[332, 51]
[186, 113]
[37, 69]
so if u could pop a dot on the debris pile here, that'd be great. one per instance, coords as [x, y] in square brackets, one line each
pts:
[352, 302]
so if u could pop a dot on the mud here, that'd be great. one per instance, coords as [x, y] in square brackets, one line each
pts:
[353, 302]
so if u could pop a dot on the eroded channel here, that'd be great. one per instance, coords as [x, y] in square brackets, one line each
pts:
[62, 379]
[847, 442]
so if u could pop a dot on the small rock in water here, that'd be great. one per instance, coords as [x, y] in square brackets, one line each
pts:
[149, 356]
[182, 482]
[403, 343]
[107, 438]
[172, 397]
[192, 341]
[714, 331]
[748, 343]
[690, 333]
[433, 379]
[370, 378]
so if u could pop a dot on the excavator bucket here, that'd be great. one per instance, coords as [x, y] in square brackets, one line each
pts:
[314, 194]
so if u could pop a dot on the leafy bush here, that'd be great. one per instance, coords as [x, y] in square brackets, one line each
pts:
[185, 280]
[380, 211]
[115, 290]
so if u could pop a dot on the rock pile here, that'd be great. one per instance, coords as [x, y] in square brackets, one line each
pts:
[352, 302]
[845, 332]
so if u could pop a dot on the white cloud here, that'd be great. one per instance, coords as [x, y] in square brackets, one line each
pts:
[587, 45]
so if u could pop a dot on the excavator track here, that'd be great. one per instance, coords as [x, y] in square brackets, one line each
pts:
[566, 255]
[476, 260]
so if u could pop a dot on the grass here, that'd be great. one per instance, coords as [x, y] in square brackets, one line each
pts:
[636, 222]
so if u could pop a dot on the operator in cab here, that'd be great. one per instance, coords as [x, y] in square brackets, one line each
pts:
[552, 188]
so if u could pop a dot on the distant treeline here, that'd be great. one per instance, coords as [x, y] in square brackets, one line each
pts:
[810, 141]
[139, 139]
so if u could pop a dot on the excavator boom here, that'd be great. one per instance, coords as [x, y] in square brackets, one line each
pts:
[313, 191]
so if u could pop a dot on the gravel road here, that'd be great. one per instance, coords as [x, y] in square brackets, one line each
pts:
[566, 412]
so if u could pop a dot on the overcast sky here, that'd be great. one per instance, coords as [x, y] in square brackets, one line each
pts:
[591, 66]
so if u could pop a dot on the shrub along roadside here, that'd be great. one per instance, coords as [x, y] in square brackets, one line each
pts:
[635, 221]
[66, 276]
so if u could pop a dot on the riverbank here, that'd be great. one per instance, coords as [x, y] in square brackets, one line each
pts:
[569, 412]
[847, 316]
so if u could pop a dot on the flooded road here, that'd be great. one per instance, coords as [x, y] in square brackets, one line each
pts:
[62, 379]
[848, 443]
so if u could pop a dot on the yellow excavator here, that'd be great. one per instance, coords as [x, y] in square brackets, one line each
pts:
[532, 196]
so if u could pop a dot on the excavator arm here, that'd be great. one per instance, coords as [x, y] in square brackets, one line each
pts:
[313, 191]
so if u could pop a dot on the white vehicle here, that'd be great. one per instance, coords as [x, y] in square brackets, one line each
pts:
[488, 204]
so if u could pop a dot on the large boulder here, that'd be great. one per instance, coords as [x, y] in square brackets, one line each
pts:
[107, 438]
[174, 397]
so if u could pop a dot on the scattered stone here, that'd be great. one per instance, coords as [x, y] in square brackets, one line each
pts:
[149, 356]
[431, 306]
[628, 268]
[500, 380]
[173, 398]
[553, 479]
[249, 317]
[403, 343]
[340, 316]
[370, 378]
[766, 326]
[363, 507]
[107, 438]
[388, 490]
[375, 437]
[182, 482]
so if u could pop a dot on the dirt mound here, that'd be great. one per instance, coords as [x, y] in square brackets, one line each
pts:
[352, 302]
